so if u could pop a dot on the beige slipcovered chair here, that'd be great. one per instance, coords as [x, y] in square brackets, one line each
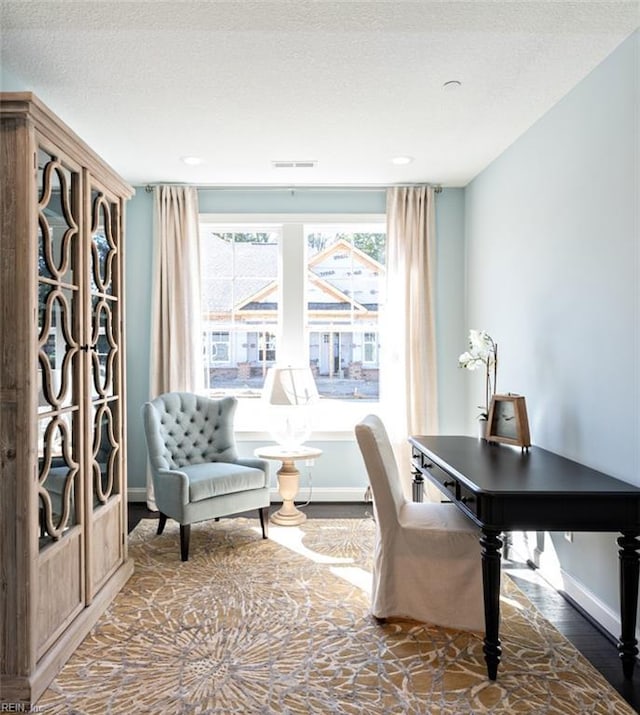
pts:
[195, 468]
[427, 564]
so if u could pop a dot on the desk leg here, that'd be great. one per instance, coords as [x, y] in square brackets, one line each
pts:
[417, 487]
[629, 571]
[491, 544]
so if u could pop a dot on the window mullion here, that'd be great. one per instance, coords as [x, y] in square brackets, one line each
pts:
[292, 314]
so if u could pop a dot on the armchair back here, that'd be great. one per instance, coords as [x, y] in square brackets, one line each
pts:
[184, 429]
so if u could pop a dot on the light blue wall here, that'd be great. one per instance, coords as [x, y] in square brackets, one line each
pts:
[283, 201]
[10, 83]
[138, 266]
[553, 274]
[450, 292]
[340, 465]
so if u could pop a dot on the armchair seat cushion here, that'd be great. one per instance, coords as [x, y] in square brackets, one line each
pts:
[215, 479]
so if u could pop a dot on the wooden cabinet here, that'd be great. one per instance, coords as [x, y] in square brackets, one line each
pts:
[63, 520]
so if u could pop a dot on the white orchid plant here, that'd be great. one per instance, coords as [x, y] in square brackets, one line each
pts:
[482, 354]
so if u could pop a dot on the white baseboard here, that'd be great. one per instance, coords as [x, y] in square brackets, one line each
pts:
[606, 617]
[591, 604]
[136, 494]
[325, 494]
[318, 494]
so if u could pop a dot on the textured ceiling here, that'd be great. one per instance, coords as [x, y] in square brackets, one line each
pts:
[347, 84]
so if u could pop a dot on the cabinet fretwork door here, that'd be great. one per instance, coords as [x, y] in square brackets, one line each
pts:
[105, 428]
[60, 470]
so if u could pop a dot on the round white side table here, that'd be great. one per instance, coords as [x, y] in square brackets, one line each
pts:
[288, 480]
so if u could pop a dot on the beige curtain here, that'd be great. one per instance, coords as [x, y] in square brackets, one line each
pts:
[176, 344]
[409, 388]
[175, 323]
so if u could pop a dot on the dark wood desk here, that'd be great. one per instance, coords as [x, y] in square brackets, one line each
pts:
[502, 488]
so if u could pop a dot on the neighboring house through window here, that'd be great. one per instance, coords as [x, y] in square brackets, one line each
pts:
[298, 290]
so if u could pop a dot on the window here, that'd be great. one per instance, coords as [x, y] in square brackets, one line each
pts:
[239, 305]
[370, 348]
[297, 290]
[216, 348]
[267, 351]
[345, 269]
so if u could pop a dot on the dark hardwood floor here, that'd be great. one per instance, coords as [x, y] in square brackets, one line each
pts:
[576, 626]
[335, 510]
[595, 644]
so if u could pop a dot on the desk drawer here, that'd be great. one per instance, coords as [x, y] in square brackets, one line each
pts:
[448, 483]
[469, 498]
[418, 459]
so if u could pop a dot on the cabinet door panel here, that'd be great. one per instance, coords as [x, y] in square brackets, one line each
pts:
[61, 589]
[58, 478]
[58, 345]
[107, 544]
[106, 452]
[58, 217]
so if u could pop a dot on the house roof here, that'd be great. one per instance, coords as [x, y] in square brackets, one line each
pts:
[331, 284]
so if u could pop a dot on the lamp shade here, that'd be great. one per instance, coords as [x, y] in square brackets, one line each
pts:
[292, 386]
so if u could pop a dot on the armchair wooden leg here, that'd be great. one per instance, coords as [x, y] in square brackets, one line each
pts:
[264, 521]
[185, 533]
[162, 520]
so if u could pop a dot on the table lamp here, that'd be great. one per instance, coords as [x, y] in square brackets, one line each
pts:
[290, 390]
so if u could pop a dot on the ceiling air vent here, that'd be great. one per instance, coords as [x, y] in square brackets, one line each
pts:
[308, 164]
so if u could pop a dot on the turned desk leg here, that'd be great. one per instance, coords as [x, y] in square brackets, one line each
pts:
[491, 544]
[417, 486]
[629, 571]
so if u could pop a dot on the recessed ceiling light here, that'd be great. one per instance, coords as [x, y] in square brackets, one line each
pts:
[401, 160]
[452, 85]
[192, 160]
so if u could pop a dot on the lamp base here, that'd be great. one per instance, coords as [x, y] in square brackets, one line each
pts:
[288, 484]
[294, 518]
[288, 480]
[290, 426]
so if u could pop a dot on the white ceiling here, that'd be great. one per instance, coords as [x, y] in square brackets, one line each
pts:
[348, 84]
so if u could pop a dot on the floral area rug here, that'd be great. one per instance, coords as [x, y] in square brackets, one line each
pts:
[283, 626]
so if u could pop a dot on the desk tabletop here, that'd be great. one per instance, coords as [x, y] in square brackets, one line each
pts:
[503, 469]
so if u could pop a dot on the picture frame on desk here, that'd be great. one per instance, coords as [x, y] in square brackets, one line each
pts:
[508, 422]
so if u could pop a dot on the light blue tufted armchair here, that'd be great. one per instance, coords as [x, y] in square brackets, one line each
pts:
[194, 463]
